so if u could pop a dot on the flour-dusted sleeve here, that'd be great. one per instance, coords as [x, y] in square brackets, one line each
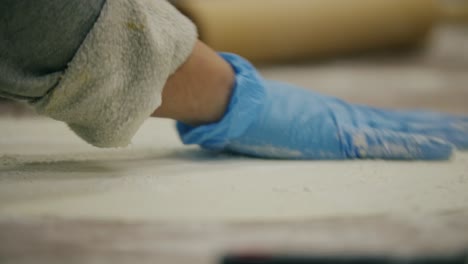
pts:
[115, 79]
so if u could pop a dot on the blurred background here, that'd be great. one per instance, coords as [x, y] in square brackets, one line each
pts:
[387, 53]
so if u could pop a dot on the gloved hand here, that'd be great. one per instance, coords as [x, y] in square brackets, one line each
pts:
[275, 120]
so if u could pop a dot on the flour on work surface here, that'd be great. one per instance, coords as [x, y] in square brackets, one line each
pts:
[268, 151]
[390, 143]
[46, 171]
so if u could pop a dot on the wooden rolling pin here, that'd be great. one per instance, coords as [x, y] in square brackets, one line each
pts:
[272, 30]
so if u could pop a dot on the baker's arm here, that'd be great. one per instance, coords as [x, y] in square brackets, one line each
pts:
[135, 48]
[270, 119]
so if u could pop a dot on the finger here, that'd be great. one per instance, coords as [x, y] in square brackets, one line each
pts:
[370, 143]
[427, 116]
[411, 115]
[451, 128]
[455, 132]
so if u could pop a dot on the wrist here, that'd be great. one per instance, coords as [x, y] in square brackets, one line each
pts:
[246, 104]
[199, 91]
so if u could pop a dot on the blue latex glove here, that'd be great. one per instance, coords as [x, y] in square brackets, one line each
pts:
[275, 120]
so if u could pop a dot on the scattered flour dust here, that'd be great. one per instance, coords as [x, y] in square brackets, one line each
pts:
[383, 149]
[386, 143]
[269, 151]
[45, 170]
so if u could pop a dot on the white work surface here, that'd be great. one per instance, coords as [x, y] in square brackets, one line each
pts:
[45, 170]
[63, 201]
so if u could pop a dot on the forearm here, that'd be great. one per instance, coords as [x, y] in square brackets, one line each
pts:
[199, 91]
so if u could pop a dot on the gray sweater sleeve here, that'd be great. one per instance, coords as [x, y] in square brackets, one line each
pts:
[35, 47]
[99, 67]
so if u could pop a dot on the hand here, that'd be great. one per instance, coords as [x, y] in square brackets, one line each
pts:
[276, 120]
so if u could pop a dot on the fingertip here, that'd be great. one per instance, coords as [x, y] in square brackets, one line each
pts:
[436, 149]
[391, 145]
